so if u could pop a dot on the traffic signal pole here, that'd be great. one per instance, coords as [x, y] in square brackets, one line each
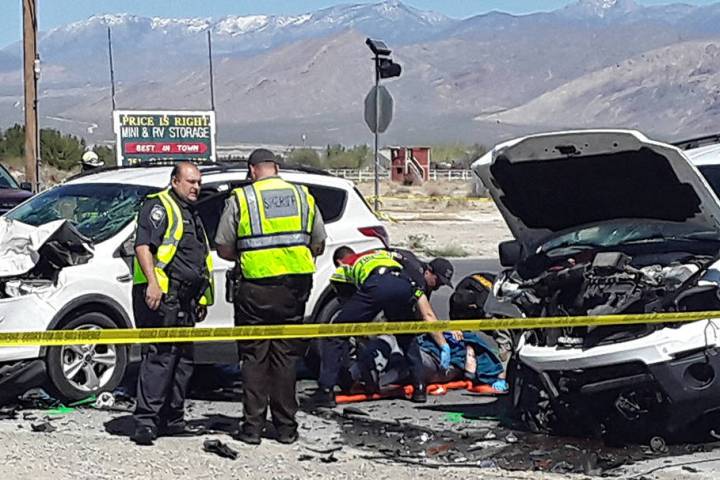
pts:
[377, 123]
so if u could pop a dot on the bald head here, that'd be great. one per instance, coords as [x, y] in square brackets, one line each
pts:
[185, 181]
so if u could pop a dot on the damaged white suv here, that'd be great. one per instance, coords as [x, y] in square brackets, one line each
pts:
[608, 222]
[67, 264]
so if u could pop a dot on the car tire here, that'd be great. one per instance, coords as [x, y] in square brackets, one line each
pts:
[79, 371]
[326, 315]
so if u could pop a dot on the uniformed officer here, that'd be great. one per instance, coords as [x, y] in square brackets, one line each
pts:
[172, 288]
[273, 230]
[382, 284]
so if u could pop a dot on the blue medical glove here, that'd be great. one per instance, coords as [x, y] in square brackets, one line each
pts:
[500, 385]
[445, 357]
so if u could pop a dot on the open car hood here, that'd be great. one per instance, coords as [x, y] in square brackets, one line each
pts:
[49, 247]
[543, 184]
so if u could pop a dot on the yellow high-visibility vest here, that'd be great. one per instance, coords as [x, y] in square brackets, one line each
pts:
[363, 265]
[274, 228]
[167, 250]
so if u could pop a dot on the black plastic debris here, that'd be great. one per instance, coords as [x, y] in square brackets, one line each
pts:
[329, 459]
[37, 398]
[8, 413]
[19, 377]
[354, 411]
[44, 427]
[305, 457]
[219, 448]
[324, 451]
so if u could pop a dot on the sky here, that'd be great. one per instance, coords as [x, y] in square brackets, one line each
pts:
[52, 13]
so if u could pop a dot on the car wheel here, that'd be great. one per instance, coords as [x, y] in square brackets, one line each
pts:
[326, 315]
[78, 371]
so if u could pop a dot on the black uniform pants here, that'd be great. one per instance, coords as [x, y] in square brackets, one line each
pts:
[166, 368]
[392, 294]
[269, 366]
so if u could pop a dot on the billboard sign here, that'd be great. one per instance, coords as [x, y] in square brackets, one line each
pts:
[157, 135]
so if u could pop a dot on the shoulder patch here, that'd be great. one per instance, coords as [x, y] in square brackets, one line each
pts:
[157, 215]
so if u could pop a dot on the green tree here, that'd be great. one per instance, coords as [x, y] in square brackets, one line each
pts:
[106, 154]
[338, 156]
[304, 156]
[61, 151]
[56, 149]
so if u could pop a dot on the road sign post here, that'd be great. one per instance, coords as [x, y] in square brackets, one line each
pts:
[379, 103]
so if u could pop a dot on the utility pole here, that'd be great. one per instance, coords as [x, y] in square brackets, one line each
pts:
[210, 66]
[31, 71]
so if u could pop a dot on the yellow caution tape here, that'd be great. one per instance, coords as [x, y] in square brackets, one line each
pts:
[430, 198]
[272, 332]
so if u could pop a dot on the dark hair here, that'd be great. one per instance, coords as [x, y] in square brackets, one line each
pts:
[340, 253]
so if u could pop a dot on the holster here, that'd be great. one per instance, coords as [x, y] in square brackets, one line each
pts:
[230, 286]
[178, 307]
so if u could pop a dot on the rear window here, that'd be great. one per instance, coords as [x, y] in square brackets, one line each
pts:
[330, 201]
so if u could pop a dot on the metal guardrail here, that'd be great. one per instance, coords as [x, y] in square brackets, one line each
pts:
[361, 175]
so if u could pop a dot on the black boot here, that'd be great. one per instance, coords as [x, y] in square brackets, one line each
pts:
[324, 397]
[245, 436]
[419, 394]
[143, 435]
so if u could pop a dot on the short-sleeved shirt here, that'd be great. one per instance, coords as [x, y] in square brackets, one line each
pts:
[188, 264]
[226, 233]
[413, 268]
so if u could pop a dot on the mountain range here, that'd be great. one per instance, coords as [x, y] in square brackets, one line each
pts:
[594, 63]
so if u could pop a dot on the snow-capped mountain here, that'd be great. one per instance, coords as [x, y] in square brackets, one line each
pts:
[601, 8]
[309, 72]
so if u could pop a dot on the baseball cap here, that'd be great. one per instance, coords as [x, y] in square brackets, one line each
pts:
[261, 155]
[443, 269]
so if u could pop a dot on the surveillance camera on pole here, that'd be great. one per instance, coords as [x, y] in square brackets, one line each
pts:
[379, 102]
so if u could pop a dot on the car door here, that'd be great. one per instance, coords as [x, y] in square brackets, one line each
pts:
[210, 207]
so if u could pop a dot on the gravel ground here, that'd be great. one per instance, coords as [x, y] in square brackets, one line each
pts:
[93, 444]
[455, 436]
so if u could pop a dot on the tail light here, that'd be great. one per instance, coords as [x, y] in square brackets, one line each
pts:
[377, 232]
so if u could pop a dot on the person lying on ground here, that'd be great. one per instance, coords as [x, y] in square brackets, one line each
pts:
[370, 283]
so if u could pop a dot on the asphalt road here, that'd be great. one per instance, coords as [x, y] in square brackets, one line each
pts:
[463, 268]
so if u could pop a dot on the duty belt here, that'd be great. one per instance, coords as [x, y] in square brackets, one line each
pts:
[384, 271]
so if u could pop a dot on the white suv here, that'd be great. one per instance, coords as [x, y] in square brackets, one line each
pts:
[102, 205]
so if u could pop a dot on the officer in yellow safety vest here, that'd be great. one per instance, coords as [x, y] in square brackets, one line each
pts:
[273, 230]
[173, 287]
[395, 283]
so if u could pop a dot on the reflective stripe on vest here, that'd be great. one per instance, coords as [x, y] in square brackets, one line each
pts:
[363, 266]
[274, 229]
[167, 250]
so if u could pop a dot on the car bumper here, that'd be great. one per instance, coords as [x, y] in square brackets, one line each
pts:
[658, 347]
[681, 364]
[18, 314]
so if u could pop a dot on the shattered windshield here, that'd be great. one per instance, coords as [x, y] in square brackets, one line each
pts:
[98, 210]
[609, 234]
[6, 180]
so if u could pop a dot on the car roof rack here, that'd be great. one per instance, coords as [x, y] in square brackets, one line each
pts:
[698, 142]
[205, 167]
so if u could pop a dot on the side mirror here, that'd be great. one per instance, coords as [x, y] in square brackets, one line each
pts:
[510, 253]
[26, 186]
